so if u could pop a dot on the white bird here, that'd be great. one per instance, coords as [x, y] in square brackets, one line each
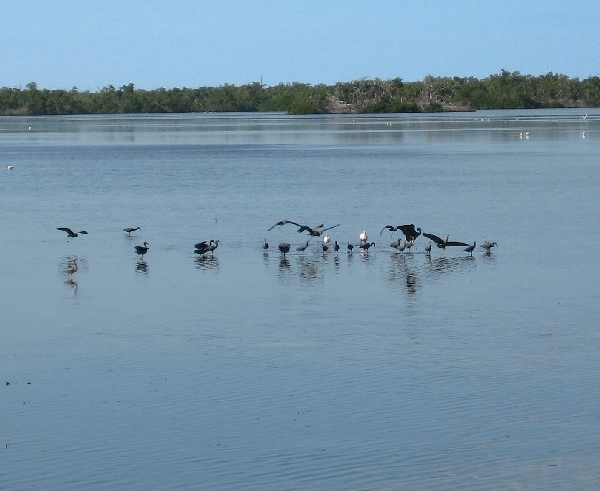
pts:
[363, 236]
[488, 245]
[326, 240]
[10, 167]
[585, 116]
[583, 135]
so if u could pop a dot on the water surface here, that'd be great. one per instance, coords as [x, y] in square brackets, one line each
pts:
[248, 370]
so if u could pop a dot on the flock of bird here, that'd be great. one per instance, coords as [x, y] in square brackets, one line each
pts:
[410, 232]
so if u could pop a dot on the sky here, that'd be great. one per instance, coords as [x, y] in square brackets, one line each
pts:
[184, 43]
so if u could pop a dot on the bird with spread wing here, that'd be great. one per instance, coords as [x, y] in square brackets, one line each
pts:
[442, 244]
[312, 231]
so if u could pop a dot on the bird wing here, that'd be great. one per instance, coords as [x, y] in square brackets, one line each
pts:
[329, 228]
[282, 223]
[408, 231]
[436, 239]
[83, 232]
[454, 243]
[65, 229]
[390, 227]
[200, 245]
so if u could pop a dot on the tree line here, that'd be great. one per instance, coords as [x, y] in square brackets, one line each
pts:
[505, 90]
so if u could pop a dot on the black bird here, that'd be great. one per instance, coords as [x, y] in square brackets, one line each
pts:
[325, 247]
[312, 231]
[442, 244]
[266, 244]
[410, 232]
[284, 247]
[366, 245]
[130, 229]
[70, 233]
[204, 247]
[350, 246]
[302, 248]
[470, 248]
[336, 246]
[141, 250]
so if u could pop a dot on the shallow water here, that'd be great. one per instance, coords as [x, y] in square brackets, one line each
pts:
[318, 370]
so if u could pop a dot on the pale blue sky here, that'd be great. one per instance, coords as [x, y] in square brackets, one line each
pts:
[61, 44]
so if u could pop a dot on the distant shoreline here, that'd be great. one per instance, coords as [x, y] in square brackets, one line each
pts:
[506, 90]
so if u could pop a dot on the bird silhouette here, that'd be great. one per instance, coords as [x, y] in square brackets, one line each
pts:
[312, 231]
[141, 250]
[266, 244]
[336, 246]
[442, 244]
[365, 247]
[410, 232]
[302, 248]
[350, 246]
[284, 248]
[470, 248]
[204, 247]
[70, 233]
[130, 229]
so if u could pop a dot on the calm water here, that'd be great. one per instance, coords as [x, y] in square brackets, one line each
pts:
[321, 370]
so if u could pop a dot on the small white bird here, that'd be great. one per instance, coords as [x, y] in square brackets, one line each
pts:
[363, 236]
[326, 240]
[428, 248]
[10, 167]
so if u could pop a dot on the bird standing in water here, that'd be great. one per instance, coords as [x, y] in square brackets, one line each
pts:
[130, 229]
[266, 244]
[284, 248]
[141, 250]
[470, 249]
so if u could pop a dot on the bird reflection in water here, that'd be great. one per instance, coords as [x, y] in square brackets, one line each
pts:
[71, 283]
[411, 284]
[308, 270]
[284, 265]
[207, 262]
[141, 268]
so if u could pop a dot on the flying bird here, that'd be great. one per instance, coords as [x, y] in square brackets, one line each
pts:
[312, 231]
[410, 232]
[141, 250]
[10, 167]
[70, 233]
[130, 229]
[442, 244]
